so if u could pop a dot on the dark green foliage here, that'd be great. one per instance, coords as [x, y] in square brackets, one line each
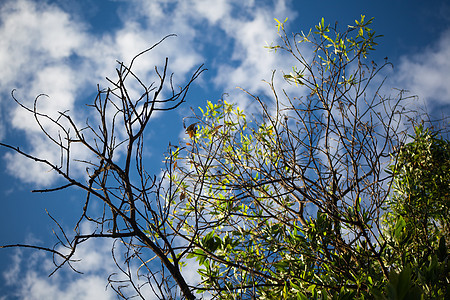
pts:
[418, 219]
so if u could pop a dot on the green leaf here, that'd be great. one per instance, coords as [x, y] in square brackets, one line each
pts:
[399, 227]
[301, 296]
[280, 25]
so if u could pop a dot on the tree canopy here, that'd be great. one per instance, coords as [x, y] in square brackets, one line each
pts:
[318, 193]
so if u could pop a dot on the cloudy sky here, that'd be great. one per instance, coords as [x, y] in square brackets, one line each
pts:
[65, 48]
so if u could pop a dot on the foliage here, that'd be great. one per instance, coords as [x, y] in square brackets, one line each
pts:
[417, 222]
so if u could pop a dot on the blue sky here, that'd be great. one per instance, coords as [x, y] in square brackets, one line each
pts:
[64, 48]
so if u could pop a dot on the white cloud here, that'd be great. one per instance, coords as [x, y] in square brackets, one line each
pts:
[36, 47]
[247, 26]
[45, 50]
[426, 74]
[32, 36]
[255, 62]
[28, 170]
[212, 13]
[27, 276]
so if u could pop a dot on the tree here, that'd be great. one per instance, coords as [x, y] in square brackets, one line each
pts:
[417, 221]
[134, 212]
[290, 201]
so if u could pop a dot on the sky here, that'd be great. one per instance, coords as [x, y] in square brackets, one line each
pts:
[65, 48]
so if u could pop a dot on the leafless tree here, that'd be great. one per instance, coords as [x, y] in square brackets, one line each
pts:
[135, 213]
